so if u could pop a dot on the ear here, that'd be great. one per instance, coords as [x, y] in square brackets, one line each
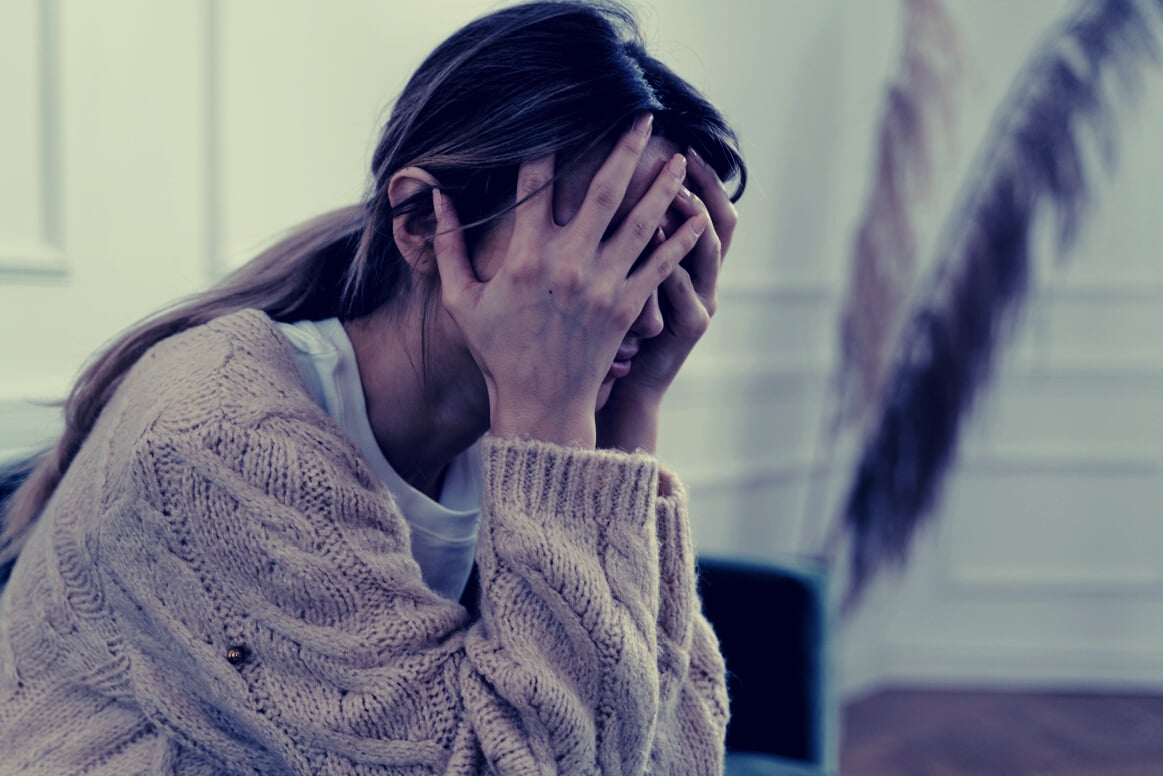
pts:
[413, 232]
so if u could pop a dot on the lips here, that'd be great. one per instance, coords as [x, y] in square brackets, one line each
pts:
[626, 352]
[621, 365]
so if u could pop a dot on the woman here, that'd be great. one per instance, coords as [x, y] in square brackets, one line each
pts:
[384, 501]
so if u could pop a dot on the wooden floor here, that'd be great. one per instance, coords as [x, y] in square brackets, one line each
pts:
[928, 733]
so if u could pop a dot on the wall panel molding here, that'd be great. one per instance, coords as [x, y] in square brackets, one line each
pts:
[40, 251]
[1054, 286]
[1052, 530]
[738, 381]
[1055, 459]
[750, 474]
[775, 290]
[212, 114]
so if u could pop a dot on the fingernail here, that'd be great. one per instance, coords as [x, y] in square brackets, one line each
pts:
[438, 202]
[642, 123]
[693, 154]
[699, 225]
[684, 192]
[677, 165]
[659, 237]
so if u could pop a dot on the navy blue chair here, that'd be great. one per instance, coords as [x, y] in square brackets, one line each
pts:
[12, 475]
[772, 623]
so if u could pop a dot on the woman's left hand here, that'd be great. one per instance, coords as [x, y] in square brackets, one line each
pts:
[629, 420]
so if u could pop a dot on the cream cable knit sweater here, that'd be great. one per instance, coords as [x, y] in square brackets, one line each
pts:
[220, 585]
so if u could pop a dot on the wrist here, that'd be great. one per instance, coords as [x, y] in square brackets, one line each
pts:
[568, 426]
[630, 424]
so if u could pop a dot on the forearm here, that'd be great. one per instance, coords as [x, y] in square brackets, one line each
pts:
[610, 585]
[629, 425]
[693, 706]
[569, 577]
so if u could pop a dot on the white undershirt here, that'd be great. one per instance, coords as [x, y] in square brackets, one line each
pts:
[444, 533]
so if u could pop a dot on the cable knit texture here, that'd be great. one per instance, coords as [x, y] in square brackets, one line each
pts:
[220, 585]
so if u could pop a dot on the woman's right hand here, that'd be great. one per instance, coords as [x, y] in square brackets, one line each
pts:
[546, 327]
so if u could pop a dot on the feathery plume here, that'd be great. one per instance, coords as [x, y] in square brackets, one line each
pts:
[1032, 161]
[883, 260]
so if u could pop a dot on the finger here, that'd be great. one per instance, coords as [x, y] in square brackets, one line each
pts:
[705, 259]
[456, 275]
[534, 196]
[608, 187]
[714, 193]
[658, 239]
[686, 313]
[665, 259]
[637, 230]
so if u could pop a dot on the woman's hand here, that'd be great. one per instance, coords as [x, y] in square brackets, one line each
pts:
[629, 420]
[546, 327]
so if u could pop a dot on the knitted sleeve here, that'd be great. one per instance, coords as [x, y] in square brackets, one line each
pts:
[693, 694]
[270, 617]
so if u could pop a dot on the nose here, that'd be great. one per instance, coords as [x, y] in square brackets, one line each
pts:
[649, 322]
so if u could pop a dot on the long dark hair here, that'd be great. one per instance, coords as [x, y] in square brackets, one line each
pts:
[517, 84]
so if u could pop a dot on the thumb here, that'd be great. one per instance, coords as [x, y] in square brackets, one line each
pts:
[456, 275]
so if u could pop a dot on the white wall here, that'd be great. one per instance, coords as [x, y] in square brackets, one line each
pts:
[102, 190]
[1043, 565]
[147, 148]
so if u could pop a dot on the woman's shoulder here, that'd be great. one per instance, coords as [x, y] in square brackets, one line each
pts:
[246, 335]
[237, 369]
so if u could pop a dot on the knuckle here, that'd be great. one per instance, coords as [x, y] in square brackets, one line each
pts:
[701, 323]
[689, 240]
[530, 184]
[715, 244]
[730, 217]
[521, 270]
[568, 277]
[641, 230]
[604, 196]
[665, 267]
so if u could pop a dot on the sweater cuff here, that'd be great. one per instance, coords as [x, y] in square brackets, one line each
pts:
[591, 488]
[676, 561]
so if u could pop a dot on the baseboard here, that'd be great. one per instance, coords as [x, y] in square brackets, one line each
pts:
[1027, 667]
[858, 671]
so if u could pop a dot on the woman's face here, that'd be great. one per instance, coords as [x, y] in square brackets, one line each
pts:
[568, 194]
